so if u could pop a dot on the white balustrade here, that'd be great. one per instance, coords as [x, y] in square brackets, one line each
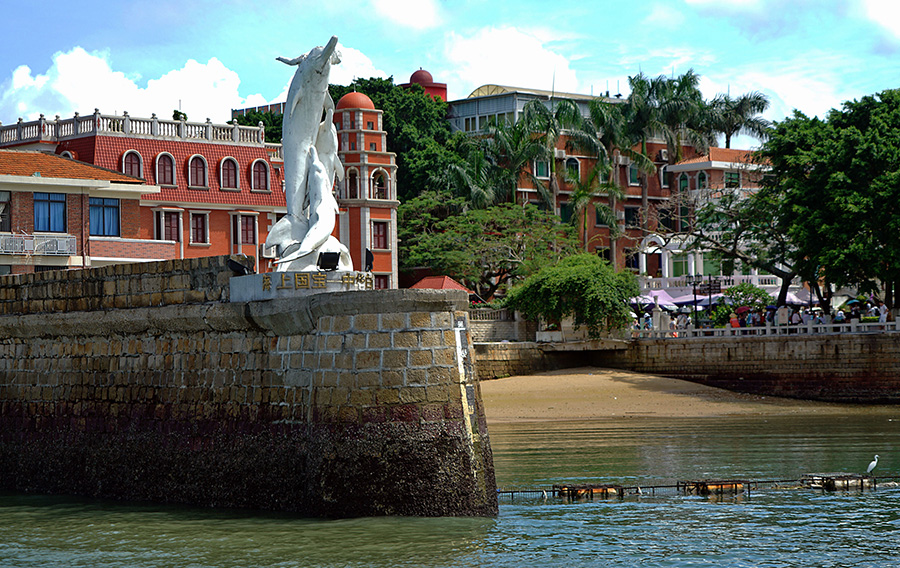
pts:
[125, 125]
[39, 245]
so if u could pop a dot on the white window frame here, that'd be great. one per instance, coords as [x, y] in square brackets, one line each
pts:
[191, 215]
[237, 174]
[140, 161]
[267, 187]
[205, 184]
[156, 168]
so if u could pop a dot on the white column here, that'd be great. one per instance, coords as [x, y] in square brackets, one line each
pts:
[642, 262]
[698, 262]
[691, 262]
[666, 262]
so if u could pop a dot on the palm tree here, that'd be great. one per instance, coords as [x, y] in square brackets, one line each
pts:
[550, 125]
[642, 119]
[682, 115]
[740, 115]
[475, 179]
[584, 192]
[513, 148]
[609, 124]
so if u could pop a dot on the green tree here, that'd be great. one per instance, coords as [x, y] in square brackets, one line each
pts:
[513, 148]
[417, 131]
[642, 121]
[485, 249]
[582, 286]
[753, 229]
[681, 114]
[840, 179]
[585, 192]
[478, 180]
[271, 123]
[549, 125]
[743, 294]
[740, 115]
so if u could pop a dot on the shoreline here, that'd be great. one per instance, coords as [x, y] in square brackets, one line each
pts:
[587, 393]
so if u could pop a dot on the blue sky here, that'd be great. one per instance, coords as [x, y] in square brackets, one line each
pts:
[210, 56]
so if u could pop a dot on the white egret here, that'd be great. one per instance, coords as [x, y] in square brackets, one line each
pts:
[873, 464]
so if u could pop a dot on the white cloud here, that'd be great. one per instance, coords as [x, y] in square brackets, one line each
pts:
[81, 81]
[664, 15]
[505, 56]
[415, 14]
[885, 13]
[354, 64]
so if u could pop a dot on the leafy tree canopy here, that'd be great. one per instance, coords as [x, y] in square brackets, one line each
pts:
[271, 123]
[839, 180]
[485, 249]
[417, 131]
[582, 286]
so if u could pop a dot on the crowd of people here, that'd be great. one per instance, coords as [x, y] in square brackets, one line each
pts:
[745, 317]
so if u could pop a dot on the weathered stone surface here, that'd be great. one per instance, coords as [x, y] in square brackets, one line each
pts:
[862, 368]
[259, 405]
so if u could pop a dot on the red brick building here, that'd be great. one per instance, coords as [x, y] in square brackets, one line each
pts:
[218, 189]
[56, 213]
[368, 194]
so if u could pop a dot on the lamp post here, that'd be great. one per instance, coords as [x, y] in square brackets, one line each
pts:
[693, 280]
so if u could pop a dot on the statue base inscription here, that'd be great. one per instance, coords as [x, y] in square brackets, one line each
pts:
[269, 286]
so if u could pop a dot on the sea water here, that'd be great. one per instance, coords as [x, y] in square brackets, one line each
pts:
[770, 527]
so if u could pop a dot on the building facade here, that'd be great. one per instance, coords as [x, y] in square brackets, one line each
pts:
[56, 213]
[218, 189]
[368, 193]
[622, 245]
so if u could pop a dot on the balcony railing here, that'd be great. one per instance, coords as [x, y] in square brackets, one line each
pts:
[38, 245]
[726, 281]
[43, 130]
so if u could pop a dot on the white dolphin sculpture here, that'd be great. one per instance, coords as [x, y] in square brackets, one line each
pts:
[323, 209]
[303, 128]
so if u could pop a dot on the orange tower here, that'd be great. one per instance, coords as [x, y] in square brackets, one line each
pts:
[368, 194]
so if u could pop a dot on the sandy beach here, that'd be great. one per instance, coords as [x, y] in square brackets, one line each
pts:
[588, 393]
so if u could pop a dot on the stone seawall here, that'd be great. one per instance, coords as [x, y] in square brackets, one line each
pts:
[339, 404]
[863, 368]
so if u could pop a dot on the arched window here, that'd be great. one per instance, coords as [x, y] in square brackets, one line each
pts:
[165, 170]
[573, 168]
[701, 180]
[197, 172]
[379, 186]
[131, 164]
[683, 182]
[229, 174]
[352, 185]
[67, 154]
[260, 175]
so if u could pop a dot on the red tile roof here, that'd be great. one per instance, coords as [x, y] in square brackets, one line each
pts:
[722, 155]
[440, 283]
[22, 163]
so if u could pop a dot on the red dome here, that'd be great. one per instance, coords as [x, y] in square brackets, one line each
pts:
[421, 77]
[355, 100]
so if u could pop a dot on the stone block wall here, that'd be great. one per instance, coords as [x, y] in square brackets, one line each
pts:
[862, 368]
[339, 404]
[119, 286]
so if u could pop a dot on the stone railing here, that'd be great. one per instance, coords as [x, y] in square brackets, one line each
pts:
[43, 130]
[768, 330]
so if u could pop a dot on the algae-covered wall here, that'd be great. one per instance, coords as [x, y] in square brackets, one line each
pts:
[338, 404]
